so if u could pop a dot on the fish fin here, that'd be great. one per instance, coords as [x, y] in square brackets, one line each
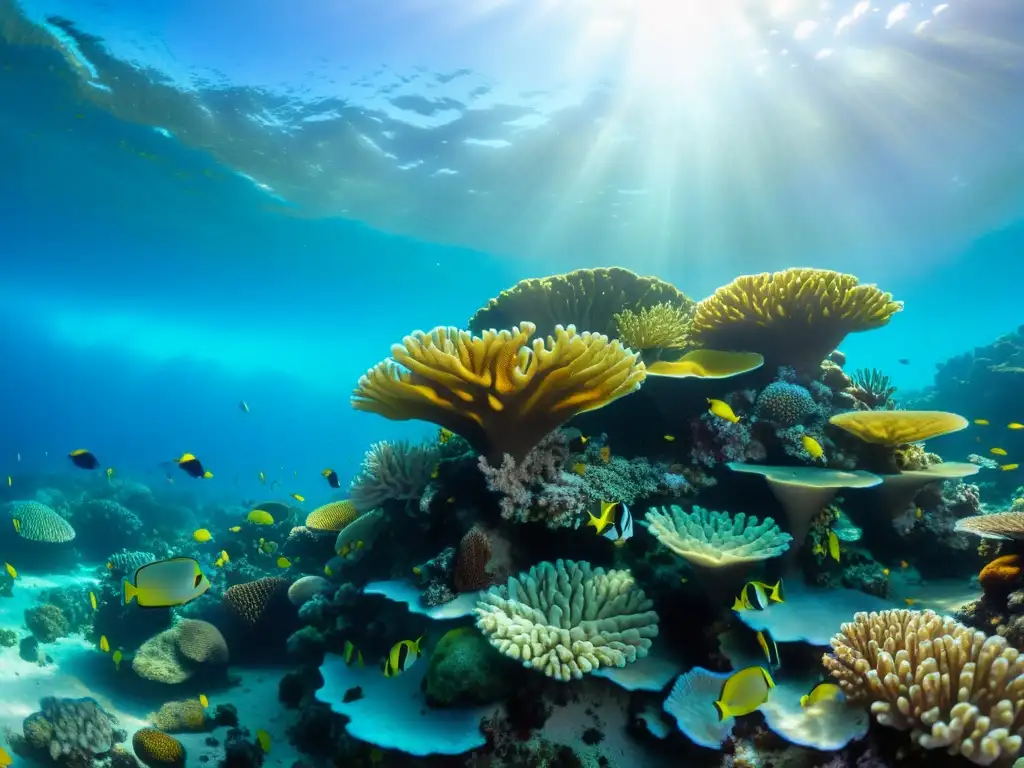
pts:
[416, 645]
[723, 713]
[804, 700]
[130, 592]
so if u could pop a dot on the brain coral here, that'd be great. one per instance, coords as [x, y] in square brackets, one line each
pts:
[566, 619]
[332, 516]
[37, 522]
[249, 601]
[188, 715]
[201, 642]
[158, 659]
[157, 749]
[303, 590]
[783, 404]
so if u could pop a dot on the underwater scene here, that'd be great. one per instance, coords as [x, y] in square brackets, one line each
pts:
[511, 383]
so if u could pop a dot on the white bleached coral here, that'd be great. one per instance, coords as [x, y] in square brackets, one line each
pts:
[710, 539]
[952, 687]
[567, 619]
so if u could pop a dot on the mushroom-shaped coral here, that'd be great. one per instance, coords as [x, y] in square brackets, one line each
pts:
[498, 391]
[893, 428]
[794, 317]
[332, 516]
[586, 298]
[953, 688]
[707, 364]
[803, 491]
[899, 491]
[157, 749]
[37, 522]
[999, 525]
[721, 547]
[566, 619]
[1002, 575]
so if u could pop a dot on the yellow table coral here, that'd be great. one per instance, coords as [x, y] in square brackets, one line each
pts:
[952, 687]
[499, 391]
[793, 317]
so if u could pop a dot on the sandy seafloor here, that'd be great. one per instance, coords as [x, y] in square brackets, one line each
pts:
[79, 669]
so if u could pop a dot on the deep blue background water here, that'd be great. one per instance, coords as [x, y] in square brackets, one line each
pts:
[136, 312]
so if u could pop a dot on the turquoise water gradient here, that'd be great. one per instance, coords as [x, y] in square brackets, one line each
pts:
[147, 287]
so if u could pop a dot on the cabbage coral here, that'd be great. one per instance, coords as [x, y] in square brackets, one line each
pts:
[567, 619]
[952, 687]
[716, 539]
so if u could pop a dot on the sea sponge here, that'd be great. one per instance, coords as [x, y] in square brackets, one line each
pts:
[566, 619]
[465, 669]
[46, 622]
[1001, 575]
[79, 729]
[332, 516]
[586, 298]
[201, 642]
[249, 602]
[893, 428]
[178, 716]
[37, 522]
[662, 326]
[392, 470]
[498, 391]
[950, 686]
[157, 749]
[471, 561]
[794, 317]
[158, 660]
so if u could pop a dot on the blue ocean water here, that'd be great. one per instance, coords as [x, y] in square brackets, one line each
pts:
[205, 204]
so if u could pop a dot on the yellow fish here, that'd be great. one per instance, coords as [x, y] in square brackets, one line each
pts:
[833, 546]
[821, 692]
[328, 571]
[11, 571]
[92, 601]
[110, 472]
[104, 645]
[444, 435]
[203, 700]
[436, 471]
[402, 655]
[918, 513]
[207, 475]
[770, 649]
[579, 468]
[605, 453]
[813, 447]
[722, 410]
[997, 451]
[5, 758]
[417, 571]
[669, 438]
[263, 739]
[263, 479]
[910, 600]
[175, 581]
[743, 692]
[202, 535]
[607, 517]
[297, 497]
[224, 556]
[1015, 425]
[283, 562]
[260, 517]
[235, 528]
[352, 654]
[17, 525]
[117, 659]
[1008, 467]
[885, 571]
[981, 422]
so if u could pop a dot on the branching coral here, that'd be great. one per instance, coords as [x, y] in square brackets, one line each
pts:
[396, 470]
[953, 688]
[499, 391]
[873, 388]
[797, 316]
[567, 619]
[663, 326]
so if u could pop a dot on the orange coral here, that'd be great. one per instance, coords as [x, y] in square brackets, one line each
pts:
[1002, 574]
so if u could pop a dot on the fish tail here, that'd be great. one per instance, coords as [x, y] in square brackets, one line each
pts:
[416, 645]
[723, 712]
[130, 592]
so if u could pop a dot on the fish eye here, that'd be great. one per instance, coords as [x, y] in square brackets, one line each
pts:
[199, 578]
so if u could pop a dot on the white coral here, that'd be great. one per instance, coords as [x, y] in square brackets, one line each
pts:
[567, 619]
[716, 539]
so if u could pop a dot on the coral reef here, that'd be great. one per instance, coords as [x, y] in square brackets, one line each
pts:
[68, 731]
[47, 623]
[157, 749]
[178, 653]
[395, 470]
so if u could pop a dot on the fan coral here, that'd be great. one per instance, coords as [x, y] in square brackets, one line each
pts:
[250, 601]
[471, 562]
[783, 404]
[794, 317]
[37, 522]
[567, 619]
[157, 749]
[586, 298]
[396, 470]
[714, 539]
[336, 515]
[663, 326]
[999, 525]
[952, 687]
[497, 391]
